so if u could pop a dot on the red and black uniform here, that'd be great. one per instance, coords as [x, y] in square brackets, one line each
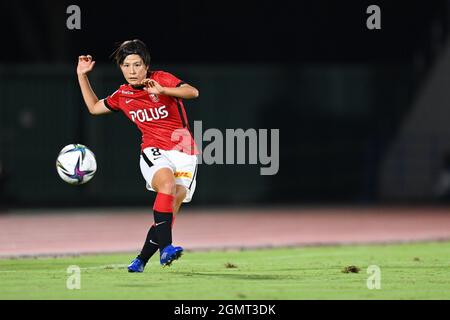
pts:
[163, 123]
[161, 119]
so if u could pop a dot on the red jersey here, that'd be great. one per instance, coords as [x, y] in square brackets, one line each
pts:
[161, 119]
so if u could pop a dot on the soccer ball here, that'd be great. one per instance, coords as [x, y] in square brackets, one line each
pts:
[76, 164]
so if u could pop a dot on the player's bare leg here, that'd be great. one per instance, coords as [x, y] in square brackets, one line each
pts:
[180, 194]
[164, 181]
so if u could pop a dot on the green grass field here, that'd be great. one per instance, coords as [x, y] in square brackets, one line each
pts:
[408, 271]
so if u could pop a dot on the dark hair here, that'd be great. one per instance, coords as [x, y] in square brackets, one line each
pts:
[128, 47]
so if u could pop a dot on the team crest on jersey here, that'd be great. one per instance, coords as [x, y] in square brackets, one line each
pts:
[154, 97]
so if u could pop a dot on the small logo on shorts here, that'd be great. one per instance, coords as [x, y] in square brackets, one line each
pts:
[154, 97]
[181, 174]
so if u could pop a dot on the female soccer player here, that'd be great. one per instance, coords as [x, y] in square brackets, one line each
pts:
[168, 161]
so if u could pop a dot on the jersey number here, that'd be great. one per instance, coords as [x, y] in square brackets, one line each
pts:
[155, 152]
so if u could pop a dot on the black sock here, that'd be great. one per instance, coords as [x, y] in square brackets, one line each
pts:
[150, 246]
[163, 226]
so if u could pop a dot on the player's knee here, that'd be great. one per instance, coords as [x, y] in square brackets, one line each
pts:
[167, 187]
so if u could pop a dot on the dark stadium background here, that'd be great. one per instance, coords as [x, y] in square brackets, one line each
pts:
[338, 92]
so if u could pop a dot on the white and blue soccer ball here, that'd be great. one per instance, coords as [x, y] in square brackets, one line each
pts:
[76, 164]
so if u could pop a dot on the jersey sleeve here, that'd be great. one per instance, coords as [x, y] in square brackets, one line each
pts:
[167, 79]
[112, 101]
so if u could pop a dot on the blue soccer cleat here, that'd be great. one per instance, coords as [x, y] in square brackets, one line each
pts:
[169, 254]
[136, 265]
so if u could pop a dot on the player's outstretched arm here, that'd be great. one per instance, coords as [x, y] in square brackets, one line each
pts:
[95, 106]
[185, 91]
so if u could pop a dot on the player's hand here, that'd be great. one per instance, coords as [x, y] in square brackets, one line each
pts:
[151, 86]
[85, 65]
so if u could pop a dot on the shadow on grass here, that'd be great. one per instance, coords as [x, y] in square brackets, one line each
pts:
[242, 276]
[205, 275]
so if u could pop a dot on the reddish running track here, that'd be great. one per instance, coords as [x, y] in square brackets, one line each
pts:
[56, 232]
